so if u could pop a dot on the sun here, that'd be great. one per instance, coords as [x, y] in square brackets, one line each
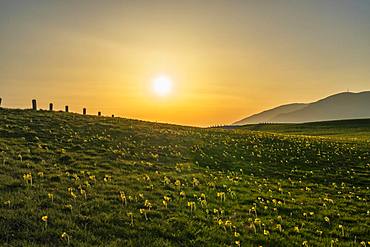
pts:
[162, 85]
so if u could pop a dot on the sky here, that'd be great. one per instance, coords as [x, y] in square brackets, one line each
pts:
[226, 59]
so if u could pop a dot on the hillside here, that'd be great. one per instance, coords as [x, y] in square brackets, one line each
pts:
[265, 116]
[353, 128]
[69, 179]
[336, 107]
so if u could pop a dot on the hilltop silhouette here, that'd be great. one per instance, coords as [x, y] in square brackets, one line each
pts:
[339, 106]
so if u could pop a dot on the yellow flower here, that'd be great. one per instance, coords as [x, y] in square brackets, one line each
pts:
[278, 226]
[44, 218]
[178, 183]
[65, 236]
[51, 196]
[326, 218]
[266, 232]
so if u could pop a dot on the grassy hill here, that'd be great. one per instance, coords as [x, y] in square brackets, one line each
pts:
[347, 129]
[68, 179]
[345, 105]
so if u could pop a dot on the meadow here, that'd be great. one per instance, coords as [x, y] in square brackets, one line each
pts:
[73, 180]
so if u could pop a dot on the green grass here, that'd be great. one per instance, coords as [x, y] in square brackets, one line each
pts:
[355, 129]
[102, 181]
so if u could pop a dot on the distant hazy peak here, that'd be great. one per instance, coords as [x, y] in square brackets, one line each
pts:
[345, 105]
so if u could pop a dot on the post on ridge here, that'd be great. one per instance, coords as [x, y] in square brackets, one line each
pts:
[34, 105]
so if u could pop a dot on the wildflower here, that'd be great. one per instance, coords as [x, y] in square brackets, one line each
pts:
[182, 194]
[147, 204]
[278, 227]
[257, 221]
[178, 184]
[221, 195]
[68, 206]
[279, 218]
[107, 178]
[266, 232]
[166, 180]
[143, 211]
[45, 219]
[28, 178]
[51, 197]
[237, 242]
[122, 197]
[195, 182]
[305, 243]
[73, 195]
[327, 220]
[236, 234]
[83, 192]
[166, 200]
[130, 214]
[296, 229]
[192, 206]
[254, 210]
[65, 236]
[228, 224]
[203, 203]
[92, 177]
[40, 174]
[342, 228]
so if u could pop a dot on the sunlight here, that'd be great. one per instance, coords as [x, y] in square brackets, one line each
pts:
[162, 85]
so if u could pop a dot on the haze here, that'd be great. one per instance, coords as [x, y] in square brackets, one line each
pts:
[227, 59]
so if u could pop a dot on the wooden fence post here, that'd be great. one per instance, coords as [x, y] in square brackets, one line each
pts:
[99, 114]
[34, 105]
[113, 115]
[67, 110]
[51, 107]
[0, 101]
[84, 111]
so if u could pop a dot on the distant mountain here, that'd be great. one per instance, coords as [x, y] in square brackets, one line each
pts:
[265, 116]
[339, 106]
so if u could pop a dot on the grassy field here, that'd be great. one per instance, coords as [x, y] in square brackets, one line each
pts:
[347, 129]
[68, 179]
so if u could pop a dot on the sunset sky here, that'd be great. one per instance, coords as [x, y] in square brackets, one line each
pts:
[226, 59]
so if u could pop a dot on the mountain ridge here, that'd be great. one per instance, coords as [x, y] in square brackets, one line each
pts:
[344, 105]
